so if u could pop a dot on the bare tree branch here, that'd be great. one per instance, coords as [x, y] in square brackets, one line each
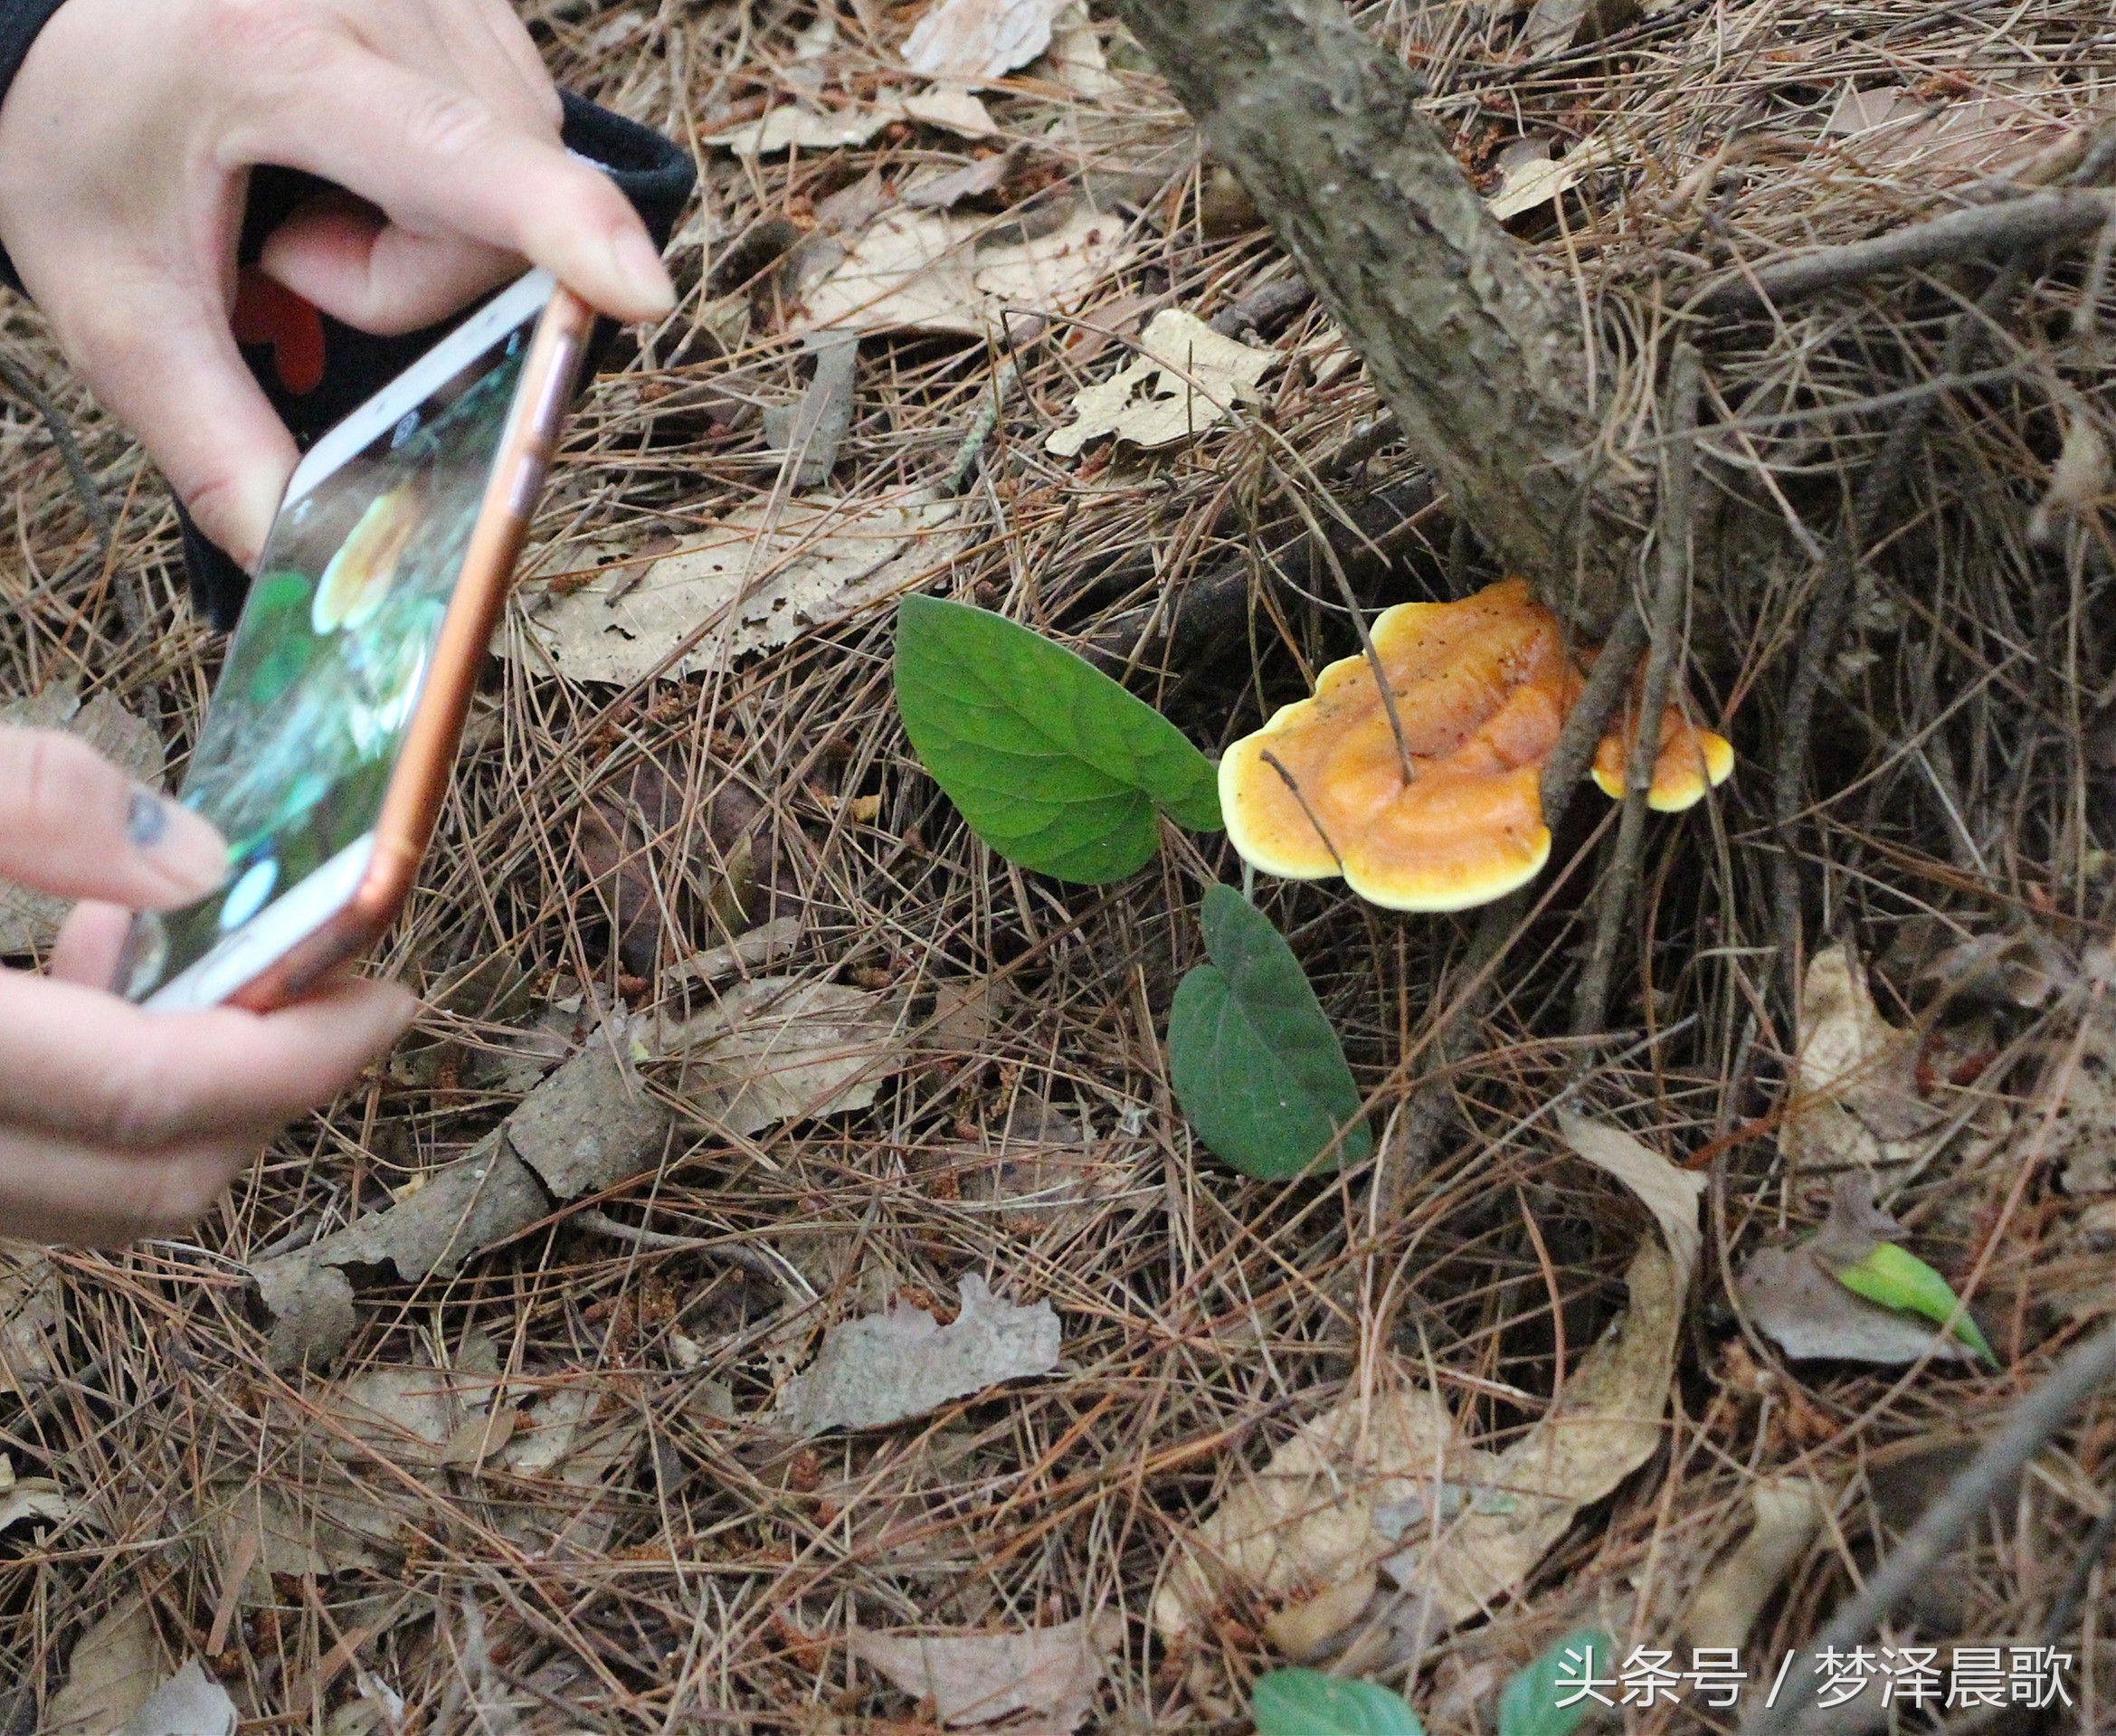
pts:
[1478, 354]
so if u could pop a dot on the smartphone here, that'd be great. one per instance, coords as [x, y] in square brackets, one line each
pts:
[326, 751]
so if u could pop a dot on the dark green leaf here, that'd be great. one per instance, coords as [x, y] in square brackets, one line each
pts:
[1530, 1706]
[1307, 1702]
[1052, 763]
[1256, 1066]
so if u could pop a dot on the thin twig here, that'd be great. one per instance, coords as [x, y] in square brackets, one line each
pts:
[1590, 716]
[1005, 377]
[749, 1259]
[1976, 234]
[2035, 1420]
[1321, 540]
[1671, 599]
[16, 379]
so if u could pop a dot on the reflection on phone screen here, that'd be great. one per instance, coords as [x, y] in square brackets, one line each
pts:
[326, 665]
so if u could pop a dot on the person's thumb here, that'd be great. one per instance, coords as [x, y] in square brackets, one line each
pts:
[177, 381]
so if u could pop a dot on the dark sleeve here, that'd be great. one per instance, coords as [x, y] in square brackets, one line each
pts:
[20, 19]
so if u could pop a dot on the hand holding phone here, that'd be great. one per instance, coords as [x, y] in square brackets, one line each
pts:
[326, 751]
[127, 142]
[114, 1122]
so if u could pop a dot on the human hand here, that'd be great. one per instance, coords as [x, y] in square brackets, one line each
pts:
[126, 142]
[116, 1123]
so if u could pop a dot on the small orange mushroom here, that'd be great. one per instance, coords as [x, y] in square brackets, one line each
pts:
[1482, 689]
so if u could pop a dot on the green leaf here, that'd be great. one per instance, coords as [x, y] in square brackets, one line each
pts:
[1307, 1702]
[1256, 1066]
[1530, 1706]
[1897, 1278]
[1052, 763]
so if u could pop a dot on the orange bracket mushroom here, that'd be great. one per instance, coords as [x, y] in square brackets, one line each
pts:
[1482, 689]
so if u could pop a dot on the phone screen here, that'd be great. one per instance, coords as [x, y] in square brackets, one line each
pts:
[327, 664]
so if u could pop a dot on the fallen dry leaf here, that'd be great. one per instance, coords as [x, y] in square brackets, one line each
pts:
[1387, 1479]
[480, 1438]
[940, 271]
[973, 180]
[1051, 1674]
[760, 945]
[189, 1704]
[2080, 479]
[2023, 968]
[976, 41]
[794, 125]
[1038, 1165]
[2081, 1282]
[810, 130]
[1551, 25]
[565, 1442]
[29, 919]
[34, 1497]
[808, 432]
[955, 111]
[750, 582]
[1669, 1193]
[512, 1060]
[115, 1668]
[1789, 1295]
[1987, 134]
[669, 851]
[1788, 1512]
[1310, 1516]
[1857, 1103]
[1305, 1631]
[1075, 57]
[1187, 378]
[886, 1367]
[774, 1048]
[966, 1010]
[2084, 1132]
[1605, 1424]
[1530, 176]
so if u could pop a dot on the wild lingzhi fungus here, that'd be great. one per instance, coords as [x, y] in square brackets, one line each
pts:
[1482, 687]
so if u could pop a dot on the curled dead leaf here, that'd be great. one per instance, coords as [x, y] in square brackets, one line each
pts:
[1187, 379]
[1788, 1512]
[1387, 1480]
[662, 861]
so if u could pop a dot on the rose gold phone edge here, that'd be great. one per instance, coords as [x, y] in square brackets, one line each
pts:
[411, 807]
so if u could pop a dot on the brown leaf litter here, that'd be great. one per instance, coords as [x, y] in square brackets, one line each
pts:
[1050, 1674]
[606, 1526]
[1387, 1481]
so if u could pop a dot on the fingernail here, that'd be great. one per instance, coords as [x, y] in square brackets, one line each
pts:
[183, 847]
[639, 265]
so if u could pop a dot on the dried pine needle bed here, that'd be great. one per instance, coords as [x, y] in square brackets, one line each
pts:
[550, 1487]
